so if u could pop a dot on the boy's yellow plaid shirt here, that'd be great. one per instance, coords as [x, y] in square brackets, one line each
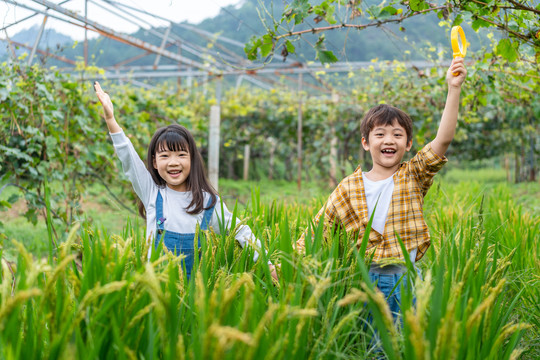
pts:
[347, 208]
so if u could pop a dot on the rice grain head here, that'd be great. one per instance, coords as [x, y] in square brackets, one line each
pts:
[485, 306]
[448, 336]
[424, 289]
[131, 355]
[135, 320]
[180, 348]
[98, 291]
[13, 302]
[336, 331]
[310, 309]
[377, 297]
[227, 337]
[354, 296]
[416, 337]
[65, 248]
[58, 270]
[8, 281]
[516, 353]
[506, 331]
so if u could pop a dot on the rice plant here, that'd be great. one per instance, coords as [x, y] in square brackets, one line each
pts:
[97, 296]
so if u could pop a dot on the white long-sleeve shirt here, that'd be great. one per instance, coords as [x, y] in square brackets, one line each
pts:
[174, 202]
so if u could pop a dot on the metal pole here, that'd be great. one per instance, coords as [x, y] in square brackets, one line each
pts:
[246, 161]
[179, 78]
[86, 34]
[333, 141]
[110, 33]
[10, 45]
[215, 138]
[299, 133]
[213, 146]
[38, 39]
[162, 47]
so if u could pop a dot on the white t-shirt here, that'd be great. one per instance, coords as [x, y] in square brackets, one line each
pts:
[174, 202]
[378, 197]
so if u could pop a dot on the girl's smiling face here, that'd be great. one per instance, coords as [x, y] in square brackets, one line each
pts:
[173, 167]
[387, 145]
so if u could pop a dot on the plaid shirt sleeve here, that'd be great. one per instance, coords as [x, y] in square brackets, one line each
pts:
[330, 217]
[337, 211]
[424, 166]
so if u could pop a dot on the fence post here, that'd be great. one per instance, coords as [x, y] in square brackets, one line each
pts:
[213, 146]
[299, 133]
[214, 139]
[333, 140]
[247, 151]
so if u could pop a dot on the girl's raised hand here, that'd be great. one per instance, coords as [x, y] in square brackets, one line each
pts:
[105, 101]
[456, 67]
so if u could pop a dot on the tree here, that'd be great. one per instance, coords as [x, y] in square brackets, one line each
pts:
[517, 19]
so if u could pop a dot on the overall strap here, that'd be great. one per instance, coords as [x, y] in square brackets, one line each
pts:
[159, 212]
[207, 214]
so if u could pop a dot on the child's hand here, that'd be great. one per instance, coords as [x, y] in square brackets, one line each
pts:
[273, 272]
[105, 101]
[457, 67]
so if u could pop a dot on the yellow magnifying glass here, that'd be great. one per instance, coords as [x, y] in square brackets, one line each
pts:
[459, 43]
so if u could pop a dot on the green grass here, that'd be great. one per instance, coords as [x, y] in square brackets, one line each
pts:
[102, 210]
[99, 298]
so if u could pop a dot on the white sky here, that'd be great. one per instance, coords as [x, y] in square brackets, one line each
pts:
[193, 11]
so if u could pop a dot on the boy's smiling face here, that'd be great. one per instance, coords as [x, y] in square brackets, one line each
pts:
[387, 145]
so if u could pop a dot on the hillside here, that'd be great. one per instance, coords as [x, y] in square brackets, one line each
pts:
[242, 21]
[51, 39]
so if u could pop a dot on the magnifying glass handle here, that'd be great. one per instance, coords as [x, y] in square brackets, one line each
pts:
[456, 35]
[456, 73]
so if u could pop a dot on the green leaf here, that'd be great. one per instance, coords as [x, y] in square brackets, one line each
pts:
[478, 23]
[4, 92]
[508, 49]
[252, 47]
[13, 198]
[290, 47]
[267, 45]
[418, 5]
[374, 10]
[298, 10]
[458, 20]
[69, 85]
[326, 56]
[387, 12]
[326, 11]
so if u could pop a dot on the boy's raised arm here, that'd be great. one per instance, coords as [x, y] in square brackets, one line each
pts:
[447, 127]
[108, 110]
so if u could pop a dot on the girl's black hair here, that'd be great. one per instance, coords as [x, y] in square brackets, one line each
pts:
[176, 137]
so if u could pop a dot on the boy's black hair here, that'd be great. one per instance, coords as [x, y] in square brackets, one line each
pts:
[385, 115]
[176, 138]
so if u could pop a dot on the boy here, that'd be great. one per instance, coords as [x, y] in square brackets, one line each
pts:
[398, 189]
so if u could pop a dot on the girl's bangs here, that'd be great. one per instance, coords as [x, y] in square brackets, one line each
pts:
[172, 141]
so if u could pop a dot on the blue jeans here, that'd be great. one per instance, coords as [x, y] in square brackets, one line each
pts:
[179, 243]
[386, 284]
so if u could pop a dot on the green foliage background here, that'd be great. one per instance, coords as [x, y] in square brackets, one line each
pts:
[51, 126]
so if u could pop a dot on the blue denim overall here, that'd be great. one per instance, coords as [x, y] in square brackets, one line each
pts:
[176, 242]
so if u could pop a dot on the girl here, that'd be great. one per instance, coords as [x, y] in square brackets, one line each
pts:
[172, 187]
